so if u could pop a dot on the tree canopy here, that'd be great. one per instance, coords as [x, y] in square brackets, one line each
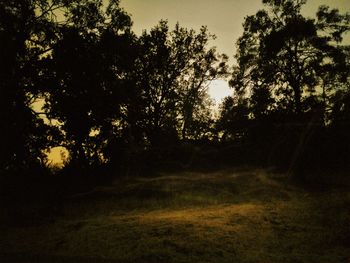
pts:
[291, 77]
[109, 96]
[290, 55]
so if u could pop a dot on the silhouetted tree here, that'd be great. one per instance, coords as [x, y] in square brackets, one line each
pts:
[203, 66]
[292, 73]
[156, 73]
[27, 29]
[283, 51]
[88, 76]
[174, 69]
[234, 119]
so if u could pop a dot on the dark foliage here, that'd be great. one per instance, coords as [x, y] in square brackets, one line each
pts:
[73, 74]
[291, 87]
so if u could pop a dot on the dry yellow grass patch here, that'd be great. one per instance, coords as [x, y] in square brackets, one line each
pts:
[218, 216]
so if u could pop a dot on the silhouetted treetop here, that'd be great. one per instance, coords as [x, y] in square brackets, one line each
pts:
[287, 52]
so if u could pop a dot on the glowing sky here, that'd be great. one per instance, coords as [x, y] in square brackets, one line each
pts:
[224, 18]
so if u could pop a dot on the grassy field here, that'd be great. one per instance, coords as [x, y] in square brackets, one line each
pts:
[224, 216]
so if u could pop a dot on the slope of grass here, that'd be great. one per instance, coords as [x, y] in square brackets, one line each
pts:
[224, 216]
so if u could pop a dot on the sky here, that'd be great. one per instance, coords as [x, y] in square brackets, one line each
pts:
[224, 18]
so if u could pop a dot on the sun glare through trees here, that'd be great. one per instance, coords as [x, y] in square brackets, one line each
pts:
[174, 131]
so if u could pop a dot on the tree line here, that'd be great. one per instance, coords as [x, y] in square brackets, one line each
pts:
[119, 101]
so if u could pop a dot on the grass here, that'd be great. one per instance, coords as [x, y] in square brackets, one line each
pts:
[223, 216]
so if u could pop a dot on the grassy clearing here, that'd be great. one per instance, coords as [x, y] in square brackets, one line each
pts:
[224, 216]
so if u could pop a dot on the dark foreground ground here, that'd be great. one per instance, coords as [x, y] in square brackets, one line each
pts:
[224, 216]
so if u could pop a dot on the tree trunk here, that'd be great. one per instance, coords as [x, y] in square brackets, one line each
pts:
[297, 98]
